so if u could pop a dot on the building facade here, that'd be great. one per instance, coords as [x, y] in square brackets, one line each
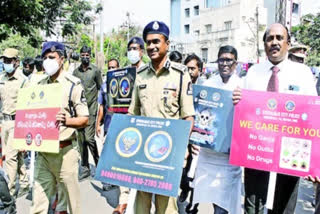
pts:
[203, 26]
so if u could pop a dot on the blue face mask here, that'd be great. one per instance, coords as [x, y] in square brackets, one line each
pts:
[8, 68]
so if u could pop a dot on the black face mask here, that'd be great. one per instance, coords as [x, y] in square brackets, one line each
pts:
[85, 60]
[26, 72]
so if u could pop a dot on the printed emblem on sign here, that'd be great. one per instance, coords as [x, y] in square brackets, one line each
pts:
[290, 105]
[304, 116]
[38, 139]
[41, 95]
[113, 88]
[29, 139]
[33, 95]
[216, 96]
[272, 104]
[124, 87]
[203, 94]
[128, 142]
[158, 146]
[155, 26]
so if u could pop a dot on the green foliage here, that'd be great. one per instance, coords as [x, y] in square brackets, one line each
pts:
[25, 16]
[308, 33]
[20, 43]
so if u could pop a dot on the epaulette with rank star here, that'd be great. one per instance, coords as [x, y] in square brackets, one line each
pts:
[179, 67]
[73, 79]
[143, 68]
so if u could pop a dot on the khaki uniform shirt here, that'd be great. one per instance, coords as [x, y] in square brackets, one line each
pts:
[157, 95]
[9, 87]
[77, 97]
[91, 80]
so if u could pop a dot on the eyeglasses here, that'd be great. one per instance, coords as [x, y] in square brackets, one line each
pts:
[226, 61]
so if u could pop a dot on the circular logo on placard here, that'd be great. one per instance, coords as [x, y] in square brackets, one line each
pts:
[158, 146]
[290, 105]
[29, 139]
[203, 94]
[216, 96]
[38, 140]
[124, 87]
[272, 104]
[113, 88]
[128, 142]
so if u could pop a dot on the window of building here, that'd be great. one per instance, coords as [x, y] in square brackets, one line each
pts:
[186, 29]
[197, 32]
[208, 28]
[227, 25]
[295, 8]
[196, 10]
[187, 12]
[204, 54]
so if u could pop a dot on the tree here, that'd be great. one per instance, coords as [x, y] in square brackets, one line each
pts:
[26, 17]
[20, 43]
[308, 33]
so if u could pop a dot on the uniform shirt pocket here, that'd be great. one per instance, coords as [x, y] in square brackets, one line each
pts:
[169, 101]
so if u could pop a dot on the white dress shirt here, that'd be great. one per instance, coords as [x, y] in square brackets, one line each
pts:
[294, 78]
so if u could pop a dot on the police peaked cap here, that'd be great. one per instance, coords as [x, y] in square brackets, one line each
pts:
[156, 27]
[52, 47]
[136, 40]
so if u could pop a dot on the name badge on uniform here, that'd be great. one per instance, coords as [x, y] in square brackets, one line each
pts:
[143, 86]
[293, 88]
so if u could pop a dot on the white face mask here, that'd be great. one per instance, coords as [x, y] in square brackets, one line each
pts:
[51, 66]
[9, 68]
[133, 56]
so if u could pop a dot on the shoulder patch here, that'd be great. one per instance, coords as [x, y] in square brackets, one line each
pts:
[143, 68]
[178, 67]
[73, 79]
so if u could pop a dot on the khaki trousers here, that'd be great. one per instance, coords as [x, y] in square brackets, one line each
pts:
[14, 163]
[164, 204]
[57, 170]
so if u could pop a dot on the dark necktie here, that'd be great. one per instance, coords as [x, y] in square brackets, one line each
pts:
[273, 84]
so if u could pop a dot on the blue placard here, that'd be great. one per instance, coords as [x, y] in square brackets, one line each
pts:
[214, 116]
[144, 153]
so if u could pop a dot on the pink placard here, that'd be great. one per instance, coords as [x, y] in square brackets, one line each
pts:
[277, 132]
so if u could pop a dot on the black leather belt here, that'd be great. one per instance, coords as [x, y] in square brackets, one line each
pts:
[9, 117]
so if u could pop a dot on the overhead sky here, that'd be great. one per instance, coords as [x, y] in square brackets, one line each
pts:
[141, 12]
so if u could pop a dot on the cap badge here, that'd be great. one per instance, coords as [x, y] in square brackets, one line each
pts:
[134, 41]
[53, 48]
[155, 26]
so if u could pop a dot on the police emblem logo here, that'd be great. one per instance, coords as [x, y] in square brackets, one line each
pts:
[113, 88]
[272, 104]
[155, 26]
[216, 96]
[38, 140]
[128, 142]
[53, 48]
[203, 94]
[41, 95]
[124, 87]
[33, 95]
[134, 40]
[29, 139]
[290, 105]
[158, 146]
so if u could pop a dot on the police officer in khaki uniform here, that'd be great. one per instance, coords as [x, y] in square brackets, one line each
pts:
[162, 89]
[61, 169]
[10, 83]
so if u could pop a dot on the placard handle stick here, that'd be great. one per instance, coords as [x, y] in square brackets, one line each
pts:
[32, 160]
[193, 166]
[131, 201]
[271, 190]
